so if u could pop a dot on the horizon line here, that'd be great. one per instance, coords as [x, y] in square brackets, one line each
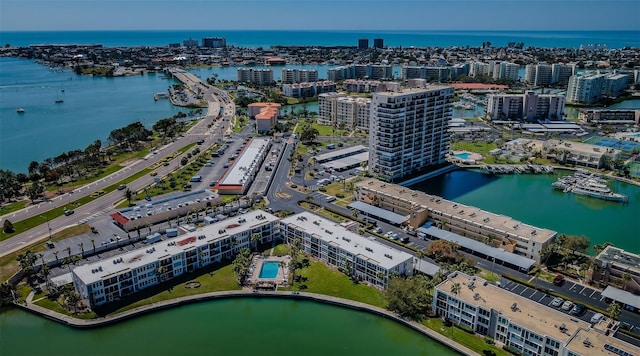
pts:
[328, 30]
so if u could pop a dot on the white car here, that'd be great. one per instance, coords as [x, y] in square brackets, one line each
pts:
[556, 302]
[567, 305]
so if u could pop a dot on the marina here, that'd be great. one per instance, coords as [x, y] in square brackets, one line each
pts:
[588, 184]
[517, 169]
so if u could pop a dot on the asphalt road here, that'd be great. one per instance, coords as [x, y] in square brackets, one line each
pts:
[216, 97]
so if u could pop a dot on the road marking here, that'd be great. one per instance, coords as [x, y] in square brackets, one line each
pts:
[534, 293]
[583, 288]
[592, 293]
[572, 285]
[543, 296]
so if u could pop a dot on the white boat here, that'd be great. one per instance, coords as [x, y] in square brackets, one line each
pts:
[20, 111]
[594, 189]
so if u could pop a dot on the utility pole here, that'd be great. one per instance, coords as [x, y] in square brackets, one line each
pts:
[48, 226]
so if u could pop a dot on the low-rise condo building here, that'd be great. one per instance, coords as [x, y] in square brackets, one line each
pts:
[304, 90]
[493, 229]
[523, 325]
[617, 267]
[294, 75]
[238, 178]
[610, 116]
[255, 76]
[365, 259]
[114, 278]
[579, 154]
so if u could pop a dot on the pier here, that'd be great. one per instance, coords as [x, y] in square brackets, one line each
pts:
[517, 169]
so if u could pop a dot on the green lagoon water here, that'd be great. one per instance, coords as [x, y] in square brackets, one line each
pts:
[246, 326]
[530, 199]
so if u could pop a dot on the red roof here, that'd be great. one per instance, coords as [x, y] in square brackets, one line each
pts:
[119, 218]
[188, 240]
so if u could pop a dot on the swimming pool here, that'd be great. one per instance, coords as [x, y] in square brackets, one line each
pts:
[269, 269]
[463, 155]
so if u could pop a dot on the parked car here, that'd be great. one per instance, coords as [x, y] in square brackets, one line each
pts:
[558, 280]
[596, 318]
[578, 309]
[68, 212]
[556, 302]
[566, 305]
[377, 229]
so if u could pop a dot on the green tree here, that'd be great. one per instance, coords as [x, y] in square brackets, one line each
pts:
[27, 262]
[614, 310]
[411, 297]
[309, 134]
[34, 192]
[455, 288]
[7, 294]
[8, 227]
[576, 243]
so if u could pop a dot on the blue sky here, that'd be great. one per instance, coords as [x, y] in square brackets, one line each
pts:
[19, 15]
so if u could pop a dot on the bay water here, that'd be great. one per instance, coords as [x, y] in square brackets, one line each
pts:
[245, 326]
[531, 199]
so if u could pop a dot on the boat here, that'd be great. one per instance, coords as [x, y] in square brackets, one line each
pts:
[58, 101]
[594, 189]
[20, 111]
[588, 184]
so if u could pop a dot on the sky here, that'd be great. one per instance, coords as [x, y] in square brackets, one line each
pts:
[78, 15]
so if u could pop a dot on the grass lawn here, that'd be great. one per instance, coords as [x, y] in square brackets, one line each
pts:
[474, 342]
[8, 263]
[55, 306]
[323, 130]
[489, 276]
[11, 207]
[282, 249]
[480, 147]
[222, 279]
[324, 280]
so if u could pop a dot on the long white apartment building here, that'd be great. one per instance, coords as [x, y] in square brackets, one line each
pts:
[304, 90]
[114, 278]
[367, 260]
[238, 178]
[408, 130]
[494, 69]
[290, 76]
[586, 88]
[255, 76]
[528, 106]
[523, 325]
[336, 109]
[496, 230]
[361, 71]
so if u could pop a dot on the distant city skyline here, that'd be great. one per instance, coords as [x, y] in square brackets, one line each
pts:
[498, 15]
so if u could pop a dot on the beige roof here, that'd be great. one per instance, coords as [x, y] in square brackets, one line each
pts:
[530, 315]
[595, 344]
[470, 214]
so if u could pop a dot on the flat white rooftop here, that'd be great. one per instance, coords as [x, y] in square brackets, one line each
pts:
[96, 271]
[246, 163]
[332, 233]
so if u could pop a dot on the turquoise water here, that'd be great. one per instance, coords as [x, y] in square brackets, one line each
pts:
[464, 155]
[261, 38]
[245, 326]
[530, 199]
[269, 269]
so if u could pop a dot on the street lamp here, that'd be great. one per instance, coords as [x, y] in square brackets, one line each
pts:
[48, 226]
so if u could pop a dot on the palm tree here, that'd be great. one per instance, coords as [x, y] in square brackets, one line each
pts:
[128, 194]
[55, 253]
[614, 310]
[626, 277]
[68, 249]
[81, 245]
[419, 256]
[93, 243]
[255, 238]
[455, 289]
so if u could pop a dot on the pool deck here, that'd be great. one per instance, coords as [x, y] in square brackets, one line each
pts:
[281, 278]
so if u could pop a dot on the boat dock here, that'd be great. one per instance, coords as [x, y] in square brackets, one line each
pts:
[518, 168]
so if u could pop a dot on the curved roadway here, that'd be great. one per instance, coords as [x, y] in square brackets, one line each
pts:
[216, 99]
